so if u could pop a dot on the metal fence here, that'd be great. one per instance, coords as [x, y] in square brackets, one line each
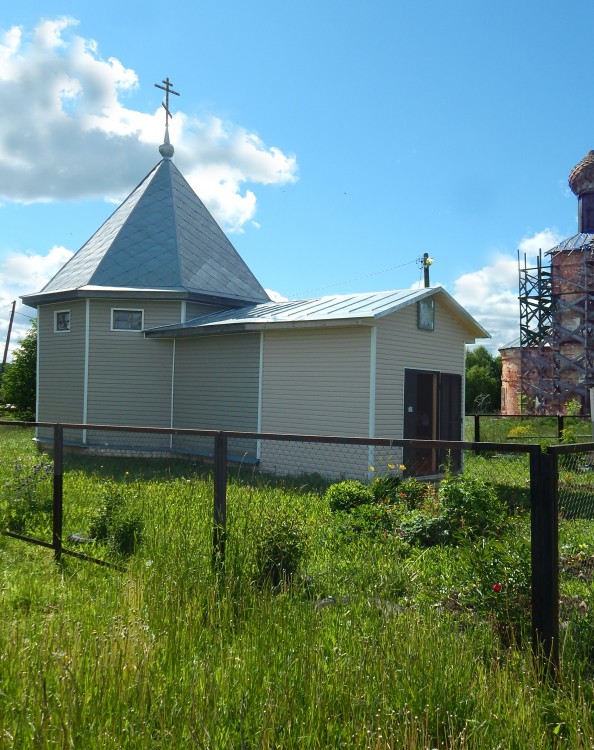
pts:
[556, 486]
[527, 428]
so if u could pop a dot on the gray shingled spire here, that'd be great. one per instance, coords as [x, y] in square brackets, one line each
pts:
[162, 237]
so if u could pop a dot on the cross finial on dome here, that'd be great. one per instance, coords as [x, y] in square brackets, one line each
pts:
[166, 149]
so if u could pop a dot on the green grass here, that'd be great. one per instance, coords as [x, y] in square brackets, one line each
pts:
[409, 651]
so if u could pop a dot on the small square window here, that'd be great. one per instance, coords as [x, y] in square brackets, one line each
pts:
[126, 320]
[62, 321]
[426, 314]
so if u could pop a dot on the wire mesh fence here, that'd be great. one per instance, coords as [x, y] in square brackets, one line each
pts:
[547, 430]
[188, 498]
[574, 465]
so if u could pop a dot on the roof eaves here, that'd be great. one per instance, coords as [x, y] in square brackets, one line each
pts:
[101, 292]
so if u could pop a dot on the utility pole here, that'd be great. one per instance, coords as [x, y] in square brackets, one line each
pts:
[424, 264]
[8, 336]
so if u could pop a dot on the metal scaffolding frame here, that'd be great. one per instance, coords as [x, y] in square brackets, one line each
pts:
[536, 386]
[556, 332]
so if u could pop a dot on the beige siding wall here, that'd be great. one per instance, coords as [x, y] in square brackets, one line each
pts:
[130, 376]
[216, 387]
[400, 345]
[61, 364]
[316, 382]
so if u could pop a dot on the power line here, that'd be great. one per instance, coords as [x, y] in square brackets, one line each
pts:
[355, 278]
[16, 312]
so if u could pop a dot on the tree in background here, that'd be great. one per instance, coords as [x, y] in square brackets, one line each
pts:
[483, 381]
[19, 379]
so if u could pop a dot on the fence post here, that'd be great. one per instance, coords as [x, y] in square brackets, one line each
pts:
[220, 500]
[544, 476]
[58, 491]
[477, 428]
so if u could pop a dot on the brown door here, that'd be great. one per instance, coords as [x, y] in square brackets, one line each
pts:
[432, 411]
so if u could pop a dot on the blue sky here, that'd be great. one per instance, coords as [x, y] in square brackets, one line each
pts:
[335, 142]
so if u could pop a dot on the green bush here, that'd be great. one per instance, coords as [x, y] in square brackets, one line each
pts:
[371, 520]
[498, 576]
[18, 386]
[105, 516]
[115, 523]
[415, 494]
[424, 530]
[280, 544]
[471, 507]
[573, 408]
[126, 533]
[386, 488]
[464, 508]
[348, 495]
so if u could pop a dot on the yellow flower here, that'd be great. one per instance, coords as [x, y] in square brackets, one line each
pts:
[402, 467]
[391, 466]
[372, 468]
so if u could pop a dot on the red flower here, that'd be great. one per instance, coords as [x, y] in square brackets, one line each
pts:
[497, 587]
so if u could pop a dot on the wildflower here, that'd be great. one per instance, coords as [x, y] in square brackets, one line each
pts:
[391, 466]
[372, 468]
[402, 467]
[496, 587]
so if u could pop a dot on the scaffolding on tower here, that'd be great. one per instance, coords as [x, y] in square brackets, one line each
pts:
[557, 330]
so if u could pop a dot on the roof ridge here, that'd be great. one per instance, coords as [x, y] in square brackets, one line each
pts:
[175, 212]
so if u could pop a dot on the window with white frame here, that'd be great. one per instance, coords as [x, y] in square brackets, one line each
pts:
[61, 321]
[124, 319]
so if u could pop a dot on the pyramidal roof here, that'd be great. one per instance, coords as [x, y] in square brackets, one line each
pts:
[160, 239]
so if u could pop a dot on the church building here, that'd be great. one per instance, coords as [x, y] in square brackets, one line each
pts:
[157, 321]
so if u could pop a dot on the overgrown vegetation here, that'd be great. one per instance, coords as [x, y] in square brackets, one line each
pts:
[18, 383]
[483, 381]
[114, 522]
[344, 618]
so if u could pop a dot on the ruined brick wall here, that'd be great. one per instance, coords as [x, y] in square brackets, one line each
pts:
[510, 380]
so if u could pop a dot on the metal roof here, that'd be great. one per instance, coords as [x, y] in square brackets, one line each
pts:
[161, 237]
[346, 309]
[580, 241]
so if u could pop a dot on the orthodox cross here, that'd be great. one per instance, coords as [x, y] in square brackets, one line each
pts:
[168, 90]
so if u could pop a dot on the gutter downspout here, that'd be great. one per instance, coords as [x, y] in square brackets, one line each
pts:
[260, 392]
[172, 394]
[372, 398]
[86, 372]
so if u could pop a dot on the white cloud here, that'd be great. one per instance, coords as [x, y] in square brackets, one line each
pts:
[19, 274]
[68, 121]
[491, 293]
[25, 271]
[544, 241]
[276, 296]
